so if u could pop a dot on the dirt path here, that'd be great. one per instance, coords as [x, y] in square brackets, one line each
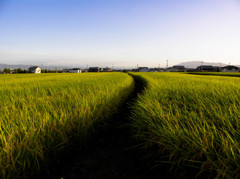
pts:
[109, 153]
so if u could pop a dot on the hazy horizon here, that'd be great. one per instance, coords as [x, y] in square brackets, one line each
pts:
[119, 33]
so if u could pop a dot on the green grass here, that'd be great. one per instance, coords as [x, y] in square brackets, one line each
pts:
[195, 119]
[216, 73]
[40, 113]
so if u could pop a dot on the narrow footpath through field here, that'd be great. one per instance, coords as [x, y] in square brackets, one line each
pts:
[110, 152]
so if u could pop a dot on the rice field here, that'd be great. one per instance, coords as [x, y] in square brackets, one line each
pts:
[217, 74]
[193, 119]
[40, 113]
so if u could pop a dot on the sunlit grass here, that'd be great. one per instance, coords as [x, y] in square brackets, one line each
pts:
[236, 74]
[40, 113]
[194, 118]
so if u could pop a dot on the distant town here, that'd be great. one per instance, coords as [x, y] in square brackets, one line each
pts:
[176, 68]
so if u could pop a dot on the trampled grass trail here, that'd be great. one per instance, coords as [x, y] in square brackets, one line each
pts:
[111, 152]
[194, 119]
[39, 114]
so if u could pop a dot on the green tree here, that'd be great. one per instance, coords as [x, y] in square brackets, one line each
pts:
[7, 70]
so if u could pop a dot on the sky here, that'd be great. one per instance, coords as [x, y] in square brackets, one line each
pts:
[122, 33]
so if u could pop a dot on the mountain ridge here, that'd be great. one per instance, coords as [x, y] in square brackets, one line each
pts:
[25, 67]
[195, 64]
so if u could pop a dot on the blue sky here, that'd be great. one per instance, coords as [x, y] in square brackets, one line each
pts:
[119, 32]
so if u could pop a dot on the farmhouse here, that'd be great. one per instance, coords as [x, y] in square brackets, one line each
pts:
[190, 69]
[153, 70]
[161, 69]
[208, 68]
[143, 69]
[34, 69]
[179, 68]
[75, 70]
[93, 69]
[230, 68]
[107, 69]
[176, 68]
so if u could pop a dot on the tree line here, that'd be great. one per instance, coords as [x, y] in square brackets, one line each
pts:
[19, 70]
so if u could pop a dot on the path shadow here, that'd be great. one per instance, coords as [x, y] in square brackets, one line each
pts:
[110, 153]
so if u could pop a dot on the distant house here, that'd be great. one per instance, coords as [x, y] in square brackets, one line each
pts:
[75, 70]
[176, 68]
[65, 70]
[179, 68]
[208, 68]
[34, 69]
[216, 68]
[93, 69]
[230, 68]
[153, 70]
[161, 69]
[190, 69]
[170, 69]
[143, 69]
[107, 69]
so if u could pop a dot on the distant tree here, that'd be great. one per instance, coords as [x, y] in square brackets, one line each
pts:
[19, 70]
[15, 71]
[7, 70]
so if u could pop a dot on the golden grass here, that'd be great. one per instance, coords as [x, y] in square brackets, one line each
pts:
[39, 113]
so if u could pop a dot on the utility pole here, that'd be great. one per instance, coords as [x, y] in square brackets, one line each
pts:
[167, 64]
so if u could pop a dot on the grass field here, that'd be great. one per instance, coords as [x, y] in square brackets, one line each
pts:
[194, 119]
[216, 74]
[40, 113]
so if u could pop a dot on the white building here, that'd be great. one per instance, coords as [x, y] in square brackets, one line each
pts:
[34, 69]
[75, 70]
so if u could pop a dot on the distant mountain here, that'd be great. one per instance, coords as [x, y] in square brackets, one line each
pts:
[25, 67]
[195, 64]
